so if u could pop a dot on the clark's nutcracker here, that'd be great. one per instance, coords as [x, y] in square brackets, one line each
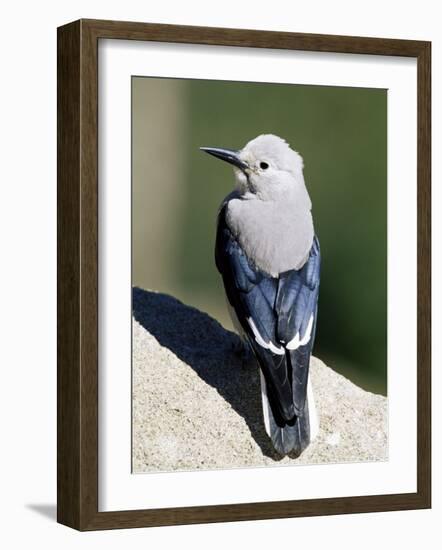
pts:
[268, 255]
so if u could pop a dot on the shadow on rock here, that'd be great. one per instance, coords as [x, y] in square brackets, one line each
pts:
[208, 348]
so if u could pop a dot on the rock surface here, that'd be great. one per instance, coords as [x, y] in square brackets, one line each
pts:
[196, 406]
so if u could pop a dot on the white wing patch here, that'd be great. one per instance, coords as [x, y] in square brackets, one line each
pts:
[297, 342]
[260, 340]
[294, 344]
[265, 403]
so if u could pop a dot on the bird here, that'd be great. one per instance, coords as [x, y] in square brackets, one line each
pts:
[268, 255]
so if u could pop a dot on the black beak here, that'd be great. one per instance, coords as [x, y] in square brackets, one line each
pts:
[232, 157]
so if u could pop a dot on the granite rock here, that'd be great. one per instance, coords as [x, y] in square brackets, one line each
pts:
[196, 405]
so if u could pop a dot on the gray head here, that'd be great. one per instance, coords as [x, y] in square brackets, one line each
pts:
[266, 167]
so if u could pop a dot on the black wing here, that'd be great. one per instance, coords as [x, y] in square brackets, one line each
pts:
[277, 315]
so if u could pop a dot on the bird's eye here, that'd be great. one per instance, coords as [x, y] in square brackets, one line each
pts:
[263, 165]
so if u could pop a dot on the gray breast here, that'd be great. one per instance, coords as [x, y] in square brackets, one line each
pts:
[276, 236]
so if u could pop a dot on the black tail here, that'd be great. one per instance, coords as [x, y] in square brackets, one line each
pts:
[287, 438]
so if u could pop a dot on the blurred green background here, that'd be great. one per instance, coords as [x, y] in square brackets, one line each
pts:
[342, 135]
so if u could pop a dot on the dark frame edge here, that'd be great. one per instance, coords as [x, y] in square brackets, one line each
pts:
[256, 511]
[68, 275]
[254, 38]
[77, 336]
[77, 277]
[424, 273]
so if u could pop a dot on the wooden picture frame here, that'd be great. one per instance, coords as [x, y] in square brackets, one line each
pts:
[77, 462]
